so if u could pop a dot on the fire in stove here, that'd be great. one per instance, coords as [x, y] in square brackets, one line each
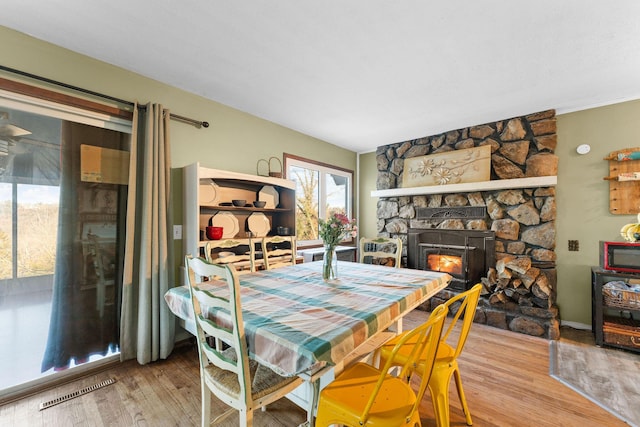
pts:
[444, 263]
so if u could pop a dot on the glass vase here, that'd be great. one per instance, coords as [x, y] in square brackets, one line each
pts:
[330, 263]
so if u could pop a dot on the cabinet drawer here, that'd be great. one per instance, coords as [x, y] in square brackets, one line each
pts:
[622, 332]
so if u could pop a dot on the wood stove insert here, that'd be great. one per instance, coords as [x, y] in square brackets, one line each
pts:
[465, 254]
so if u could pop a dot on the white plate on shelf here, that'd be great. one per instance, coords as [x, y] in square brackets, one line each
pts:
[208, 193]
[270, 195]
[228, 222]
[259, 224]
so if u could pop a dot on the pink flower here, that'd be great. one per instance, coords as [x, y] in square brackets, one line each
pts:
[336, 228]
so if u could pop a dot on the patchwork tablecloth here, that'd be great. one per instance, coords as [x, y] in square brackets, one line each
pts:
[295, 321]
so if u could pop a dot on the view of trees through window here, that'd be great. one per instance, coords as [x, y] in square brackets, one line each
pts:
[306, 202]
[36, 214]
[37, 229]
[320, 191]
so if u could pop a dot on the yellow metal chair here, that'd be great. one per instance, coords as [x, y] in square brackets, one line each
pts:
[363, 395]
[241, 383]
[446, 363]
[381, 248]
[238, 252]
[278, 251]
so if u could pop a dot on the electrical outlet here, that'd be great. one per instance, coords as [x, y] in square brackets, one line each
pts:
[177, 232]
[574, 245]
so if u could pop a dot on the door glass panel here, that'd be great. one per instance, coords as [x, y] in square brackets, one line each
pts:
[60, 247]
[6, 233]
[37, 227]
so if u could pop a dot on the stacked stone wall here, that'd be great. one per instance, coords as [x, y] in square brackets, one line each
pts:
[520, 290]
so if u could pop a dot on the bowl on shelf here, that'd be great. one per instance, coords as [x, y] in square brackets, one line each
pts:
[214, 233]
[283, 231]
[259, 203]
[239, 203]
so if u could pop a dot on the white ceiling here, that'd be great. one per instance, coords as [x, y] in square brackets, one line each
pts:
[361, 73]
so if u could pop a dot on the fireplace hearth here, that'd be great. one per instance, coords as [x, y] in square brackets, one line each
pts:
[466, 255]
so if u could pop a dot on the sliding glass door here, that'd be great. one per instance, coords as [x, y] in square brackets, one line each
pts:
[62, 206]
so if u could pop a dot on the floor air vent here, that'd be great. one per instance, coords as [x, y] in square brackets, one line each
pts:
[45, 405]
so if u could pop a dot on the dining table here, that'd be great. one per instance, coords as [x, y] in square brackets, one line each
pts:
[296, 323]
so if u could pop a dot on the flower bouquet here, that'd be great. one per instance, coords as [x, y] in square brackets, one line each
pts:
[332, 231]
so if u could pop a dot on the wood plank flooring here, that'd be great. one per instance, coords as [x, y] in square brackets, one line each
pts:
[505, 375]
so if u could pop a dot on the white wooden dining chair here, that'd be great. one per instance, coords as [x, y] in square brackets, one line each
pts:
[278, 251]
[238, 252]
[380, 249]
[229, 374]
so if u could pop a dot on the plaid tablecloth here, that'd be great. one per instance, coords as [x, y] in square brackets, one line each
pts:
[295, 321]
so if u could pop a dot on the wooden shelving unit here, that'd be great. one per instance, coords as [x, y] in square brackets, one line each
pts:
[229, 186]
[624, 192]
[605, 318]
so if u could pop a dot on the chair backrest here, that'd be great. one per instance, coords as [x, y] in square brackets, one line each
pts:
[239, 252]
[468, 302]
[233, 335]
[278, 251]
[424, 340]
[381, 248]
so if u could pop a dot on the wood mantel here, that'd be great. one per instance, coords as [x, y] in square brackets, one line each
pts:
[497, 184]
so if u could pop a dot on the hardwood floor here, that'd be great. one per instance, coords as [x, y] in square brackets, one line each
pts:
[505, 374]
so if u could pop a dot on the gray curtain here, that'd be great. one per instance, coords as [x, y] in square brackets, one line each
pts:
[147, 326]
[79, 325]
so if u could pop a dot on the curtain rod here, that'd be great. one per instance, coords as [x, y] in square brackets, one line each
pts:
[196, 123]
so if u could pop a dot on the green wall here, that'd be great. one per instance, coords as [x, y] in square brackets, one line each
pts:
[367, 212]
[582, 198]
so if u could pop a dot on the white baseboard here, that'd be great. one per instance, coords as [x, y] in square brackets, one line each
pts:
[575, 325]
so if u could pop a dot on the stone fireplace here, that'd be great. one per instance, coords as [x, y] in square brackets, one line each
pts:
[504, 238]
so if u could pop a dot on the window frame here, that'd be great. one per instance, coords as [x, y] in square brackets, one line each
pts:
[324, 169]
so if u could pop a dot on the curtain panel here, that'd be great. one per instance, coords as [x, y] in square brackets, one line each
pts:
[84, 317]
[147, 326]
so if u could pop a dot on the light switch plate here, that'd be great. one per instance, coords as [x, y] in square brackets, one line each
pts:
[177, 232]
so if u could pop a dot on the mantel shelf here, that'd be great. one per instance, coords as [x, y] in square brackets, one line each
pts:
[467, 187]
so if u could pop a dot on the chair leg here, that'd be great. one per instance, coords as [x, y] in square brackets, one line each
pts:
[206, 404]
[439, 389]
[246, 418]
[315, 396]
[415, 419]
[463, 399]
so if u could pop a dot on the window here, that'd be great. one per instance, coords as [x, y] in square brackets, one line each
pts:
[321, 190]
